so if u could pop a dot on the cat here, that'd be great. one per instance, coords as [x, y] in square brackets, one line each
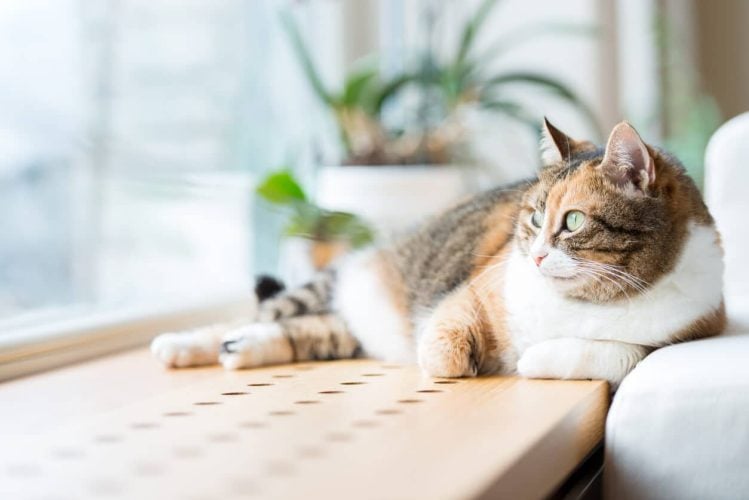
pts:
[608, 254]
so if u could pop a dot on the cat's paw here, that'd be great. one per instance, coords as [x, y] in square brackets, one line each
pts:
[184, 349]
[447, 353]
[254, 345]
[548, 359]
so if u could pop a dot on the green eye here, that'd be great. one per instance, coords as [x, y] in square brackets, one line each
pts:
[537, 219]
[574, 220]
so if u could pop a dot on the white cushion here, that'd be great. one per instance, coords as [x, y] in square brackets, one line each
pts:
[679, 425]
[727, 195]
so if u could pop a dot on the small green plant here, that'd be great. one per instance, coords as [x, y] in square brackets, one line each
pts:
[308, 220]
[447, 87]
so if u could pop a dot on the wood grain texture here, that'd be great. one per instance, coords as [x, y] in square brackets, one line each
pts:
[122, 427]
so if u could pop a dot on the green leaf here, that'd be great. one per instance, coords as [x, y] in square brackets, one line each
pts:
[533, 32]
[346, 227]
[515, 111]
[390, 88]
[472, 28]
[354, 90]
[305, 59]
[544, 82]
[281, 188]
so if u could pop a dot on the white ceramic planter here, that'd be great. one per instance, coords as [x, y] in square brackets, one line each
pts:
[392, 198]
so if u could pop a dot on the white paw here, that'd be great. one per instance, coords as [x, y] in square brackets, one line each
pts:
[192, 348]
[253, 345]
[555, 358]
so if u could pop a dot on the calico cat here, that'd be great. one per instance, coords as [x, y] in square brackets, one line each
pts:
[579, 273]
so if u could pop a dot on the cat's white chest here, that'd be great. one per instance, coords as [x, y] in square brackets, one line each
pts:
[536, 311]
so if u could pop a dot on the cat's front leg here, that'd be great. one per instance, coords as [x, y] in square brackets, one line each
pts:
[574, 358]
[452, 340]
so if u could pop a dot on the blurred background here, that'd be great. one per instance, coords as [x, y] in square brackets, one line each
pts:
[157, 152]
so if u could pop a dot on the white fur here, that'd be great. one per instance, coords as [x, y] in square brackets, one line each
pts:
[191, 348]
[363, 301]
[256, 344]
[549, 151]
[537, 312]
[555, 262]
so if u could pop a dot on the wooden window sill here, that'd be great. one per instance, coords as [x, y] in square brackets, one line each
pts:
[29, 350]
[124, 427]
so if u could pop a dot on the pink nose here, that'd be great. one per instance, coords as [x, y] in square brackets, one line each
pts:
[539, 259]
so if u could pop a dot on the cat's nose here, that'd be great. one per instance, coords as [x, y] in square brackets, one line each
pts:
[539, 258]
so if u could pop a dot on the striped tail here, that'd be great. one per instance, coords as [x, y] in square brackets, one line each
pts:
[312, 298]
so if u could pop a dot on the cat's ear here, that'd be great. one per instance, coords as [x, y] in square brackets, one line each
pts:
[556, 146]
[627, 162]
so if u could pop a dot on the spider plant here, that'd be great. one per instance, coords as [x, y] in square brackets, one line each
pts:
[448, 86]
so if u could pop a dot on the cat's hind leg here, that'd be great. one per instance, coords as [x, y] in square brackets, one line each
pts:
[300, 338]
[197, 347]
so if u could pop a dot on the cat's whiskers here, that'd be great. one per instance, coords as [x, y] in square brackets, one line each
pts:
[613, 274]
[597, 274]
[637, 283]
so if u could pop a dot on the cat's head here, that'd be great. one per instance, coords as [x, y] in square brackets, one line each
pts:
[606, 223]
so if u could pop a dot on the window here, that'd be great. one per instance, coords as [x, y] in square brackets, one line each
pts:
[131, 134]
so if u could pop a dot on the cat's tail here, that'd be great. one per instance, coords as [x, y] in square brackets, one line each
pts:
[277, 303]
[267, 287]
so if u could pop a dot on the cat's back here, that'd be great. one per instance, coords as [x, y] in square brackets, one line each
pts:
[444, 252]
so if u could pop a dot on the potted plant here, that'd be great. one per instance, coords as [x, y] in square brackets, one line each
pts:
[314, 236]
[395, 174]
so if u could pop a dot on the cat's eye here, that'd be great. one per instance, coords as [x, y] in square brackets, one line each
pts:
[574, 220]
[537, 219]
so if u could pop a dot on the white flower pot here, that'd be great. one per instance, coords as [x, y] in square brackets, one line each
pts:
[391, 198]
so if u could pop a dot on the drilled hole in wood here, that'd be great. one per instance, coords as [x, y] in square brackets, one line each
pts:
[244, 486]
[206, 403]
[260, 384]
[410, 401]
[67, 453]
[223, 437]
[23, 470]
[338, 437]
[107, 438]
[283, 375]
[353, 383]
[177, 414]
[310, 452]
[372, 374]
[280, 413]
[429, 391]
[148, 469]
[365, 424]
[388, 411]
[306, 402]
[187, 451]
[330, 392]
[253, 424]
[446, 382]
[280, 469]
[105, 486]
[144, 425]
[237, 393]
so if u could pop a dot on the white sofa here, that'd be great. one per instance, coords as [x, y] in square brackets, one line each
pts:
[678, 427]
